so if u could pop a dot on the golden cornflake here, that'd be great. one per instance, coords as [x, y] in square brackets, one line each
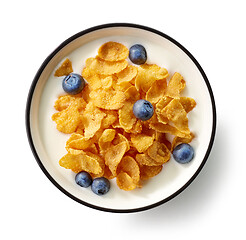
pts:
[147, 75]
[125, 182]
[64, 101]
[126, 116]
[93, 79]
[154, 94]
[132, 94]
[92, 120]
[149, 171]
[82, 162]
[114, 155]
[159, 152]
[145, 159]
[110, 99]
[68, 119]
[79, 142]
[100, 66]
[109, 119]
[127, 74]
[166, 128]
[177, 115]
[106, 138]
[187, 103]
[175, 85]
[177, 140]
[130, 166]
[141, 142]
[113, 51]
[64, 69]
[121, 138]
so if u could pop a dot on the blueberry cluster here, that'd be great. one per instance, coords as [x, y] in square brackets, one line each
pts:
[99, 186]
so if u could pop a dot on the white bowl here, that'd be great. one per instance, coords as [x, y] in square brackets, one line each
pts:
[48, 144]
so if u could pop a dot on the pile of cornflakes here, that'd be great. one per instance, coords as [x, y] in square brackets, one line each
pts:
[106, 138]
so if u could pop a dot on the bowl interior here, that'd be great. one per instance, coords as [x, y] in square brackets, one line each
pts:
[49, 143]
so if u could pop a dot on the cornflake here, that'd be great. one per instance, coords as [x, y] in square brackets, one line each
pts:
[106, 138]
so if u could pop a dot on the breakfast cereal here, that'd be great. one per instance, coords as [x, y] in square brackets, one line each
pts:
[106, 137]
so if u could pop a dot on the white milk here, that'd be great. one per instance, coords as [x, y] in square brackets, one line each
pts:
[50, 143]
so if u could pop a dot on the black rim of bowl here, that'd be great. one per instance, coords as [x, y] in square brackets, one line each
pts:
[34, 83]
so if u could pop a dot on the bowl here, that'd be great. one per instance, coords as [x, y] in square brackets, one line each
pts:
[48, 144]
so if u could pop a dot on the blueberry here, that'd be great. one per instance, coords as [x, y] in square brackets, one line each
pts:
[183, 153]
[143, 109]
[100, 186]
[73, 83]
[83, 179]
[137, 54]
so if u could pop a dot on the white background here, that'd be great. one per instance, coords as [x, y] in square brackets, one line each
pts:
[213, 206]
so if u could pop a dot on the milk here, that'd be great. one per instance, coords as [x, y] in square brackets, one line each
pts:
[50, 143]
